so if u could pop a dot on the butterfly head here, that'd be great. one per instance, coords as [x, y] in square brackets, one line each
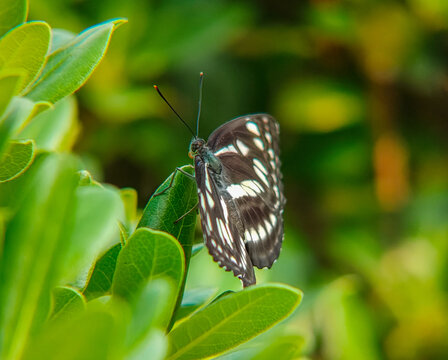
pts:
[196, 146]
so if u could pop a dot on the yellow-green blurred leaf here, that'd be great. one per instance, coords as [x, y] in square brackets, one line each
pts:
[12, 13]
[17, 158]
[24, 49]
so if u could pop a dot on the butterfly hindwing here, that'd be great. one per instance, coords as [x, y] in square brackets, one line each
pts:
[249, 153]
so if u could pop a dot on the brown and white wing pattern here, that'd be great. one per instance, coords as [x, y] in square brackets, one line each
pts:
[242, 207]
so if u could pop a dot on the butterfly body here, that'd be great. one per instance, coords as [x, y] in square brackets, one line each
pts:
[240, 194]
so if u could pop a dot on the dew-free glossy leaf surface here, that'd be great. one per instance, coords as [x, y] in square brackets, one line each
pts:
[16, 159]
[95, 334]
[284, 347]
[153, 347]
[35, 248]
[60, 38]
[193, 300]
[148, 254]
[162, 211]
[129, 198]
[151, 309]
[54, 129]
[232, 320]
[66, 302]
[102, 274]
[9, 85]
[95, 224]
[25, 48]
[69, 67]
[12, 13]
[19, 111]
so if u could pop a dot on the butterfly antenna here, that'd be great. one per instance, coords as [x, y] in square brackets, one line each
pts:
[163, 97]
[201, 81]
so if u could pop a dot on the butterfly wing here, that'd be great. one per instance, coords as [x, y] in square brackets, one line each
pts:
[220, 230]
[248, 149]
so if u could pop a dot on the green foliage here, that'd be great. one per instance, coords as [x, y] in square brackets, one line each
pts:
[12, 13]
[359, 89]
[57, 222]
[69, 66]
[16, 159]
[211, 330]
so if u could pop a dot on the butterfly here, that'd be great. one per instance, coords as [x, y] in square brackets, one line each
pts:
[240, 192]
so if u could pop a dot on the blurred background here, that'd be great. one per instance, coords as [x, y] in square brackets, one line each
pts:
[360, 88]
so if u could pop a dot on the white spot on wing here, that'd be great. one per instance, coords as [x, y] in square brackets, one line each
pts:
[253, 128]
[227, 149]
[254, 235]
[268, 226]
[247, 236]
[273, 219]
[225, 234]
[207, 181]
[262, 232]
[243, 147]
[271, 153]
[277, 192]
[202, 200]
[258, 143]
[237, 191]
[259, 165]
[261, 175]
[210, 201]
[209, 221]
[268, 137]
[224, 209]
[253, 185]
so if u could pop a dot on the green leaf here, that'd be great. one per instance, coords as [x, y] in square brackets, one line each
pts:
[12, 13]
[193, 300]
[95, 334]
[69, 67]
[150, 310]
[55, 129]
[17, 158]
[9, 85]
[148, 254]
[102, 274]
[66, 302]
[35, 248]
[232, 320]
[60, 38]
[162, 211]
[154, 347]
[283, 347]
[19, 112]
[25, 48]
[96, 215]
[129, 198]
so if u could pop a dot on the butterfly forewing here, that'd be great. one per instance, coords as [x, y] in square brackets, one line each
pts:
[221, 231]
[247, 194]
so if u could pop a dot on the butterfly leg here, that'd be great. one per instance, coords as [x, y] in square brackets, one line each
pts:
[172, 179]
[195, 207]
